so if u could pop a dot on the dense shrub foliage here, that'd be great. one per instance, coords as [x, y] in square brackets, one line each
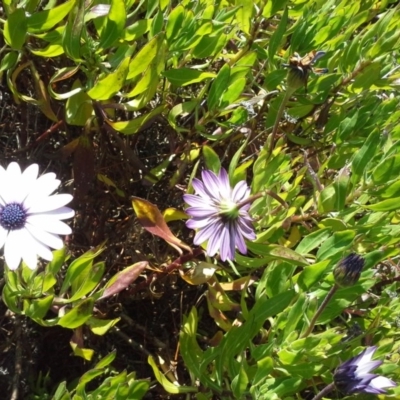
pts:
[146, 101]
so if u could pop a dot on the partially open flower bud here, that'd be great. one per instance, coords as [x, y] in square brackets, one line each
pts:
[300, 68]
[354, 375]
[348, 271]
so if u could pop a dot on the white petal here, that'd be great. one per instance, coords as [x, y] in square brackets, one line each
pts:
[12, 249]
[10, 188]
[60, 213]
[48, 239]
[28, 249]
[43, 187]
[49, 223]
[3, 236]
[381, 382]
[50, 203]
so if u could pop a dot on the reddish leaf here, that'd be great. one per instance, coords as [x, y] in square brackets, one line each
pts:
[152, 220]
[123, 279]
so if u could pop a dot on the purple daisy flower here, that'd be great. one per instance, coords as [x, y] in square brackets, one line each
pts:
[219, 215]
[354, 376]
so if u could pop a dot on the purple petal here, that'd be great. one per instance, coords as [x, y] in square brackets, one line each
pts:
[224, 185]
[240, 192]
[199, 187]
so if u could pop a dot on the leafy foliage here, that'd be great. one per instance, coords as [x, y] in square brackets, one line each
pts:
[212, 74]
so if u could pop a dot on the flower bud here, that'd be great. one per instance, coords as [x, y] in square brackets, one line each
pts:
[297, 77]
[348, 271]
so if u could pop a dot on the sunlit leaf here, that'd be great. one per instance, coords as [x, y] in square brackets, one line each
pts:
[152, 220]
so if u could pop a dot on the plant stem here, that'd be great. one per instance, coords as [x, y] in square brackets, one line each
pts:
[324, 391]
[265, 192]
[320, 309]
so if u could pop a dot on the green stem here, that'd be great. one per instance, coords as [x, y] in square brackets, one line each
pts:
[265, 192]
[320, 309]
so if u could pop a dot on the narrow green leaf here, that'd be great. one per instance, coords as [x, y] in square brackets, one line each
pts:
[337, 243]
[166, 384]
[277, 36]
[211, 159]
[218, 87]
[134, 125]
[186, 76]
[111, 84]
[71, 40]
[115, 24]
[48, 19]
[364, 155]
[15, 29]
[244, 14]
[385, 205]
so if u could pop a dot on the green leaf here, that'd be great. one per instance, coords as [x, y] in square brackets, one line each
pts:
[15, 29]
[144, 57]
[134, 125]
[385, 205]
[218, 87]
[106, 361]
[364, 156]
[71, 40]
[295, 314]
[277, 252]
[111, 84]
[115, 24]
[166, 384]
[239, 383]
[186, 76]
[211, 159]
[312, 274]
[38, 308]
[101, 326]
[346, 128]
[9, 61]
[236, 340]
[191, 352]
[312, 241]
[386, 170]
[174, 22]
[47, 19]
[78, 108]
[276, 38]
[337, 243]
[78, 315]
[87, 280]
[244, 14]
[78, 266]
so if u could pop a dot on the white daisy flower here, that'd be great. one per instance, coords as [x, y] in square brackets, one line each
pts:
[30, 219]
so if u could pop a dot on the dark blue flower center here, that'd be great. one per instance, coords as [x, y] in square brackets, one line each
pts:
[12, 216]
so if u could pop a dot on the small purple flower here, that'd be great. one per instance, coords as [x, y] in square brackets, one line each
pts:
[219, 215]
[353, 376]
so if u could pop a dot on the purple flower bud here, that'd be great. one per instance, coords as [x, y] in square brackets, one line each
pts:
[348, 271]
